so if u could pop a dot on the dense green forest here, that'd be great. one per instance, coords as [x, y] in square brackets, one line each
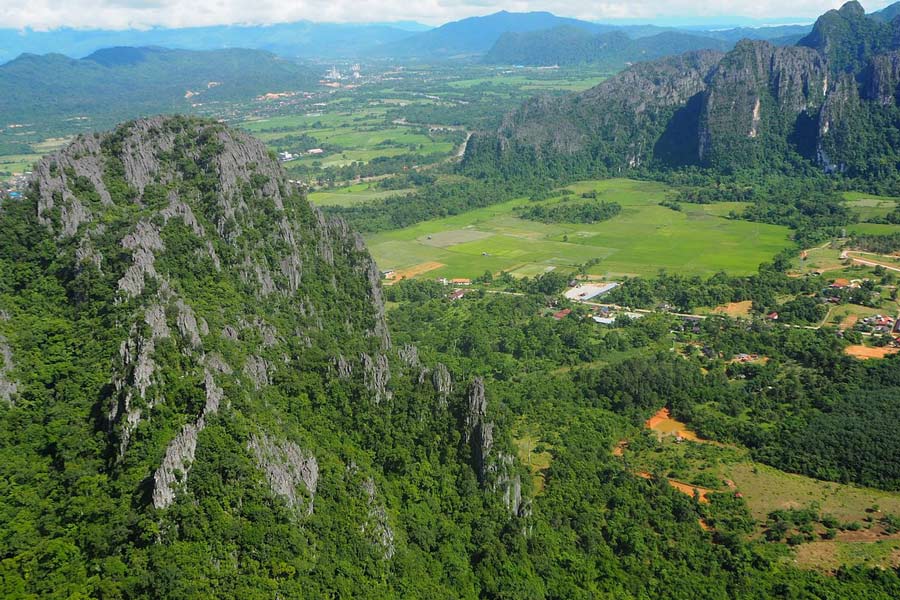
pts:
[119, 83]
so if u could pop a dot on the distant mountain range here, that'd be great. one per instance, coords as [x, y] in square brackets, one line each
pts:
[471, 37]
[832, 103]
[613, 49]
[301, 39]
[476, 35]
[123, 83]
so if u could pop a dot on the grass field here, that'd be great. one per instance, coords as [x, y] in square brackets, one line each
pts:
[526, 438]
[873, 228]
[764, 489]
[353, 194]
[867, 206]
[644, 238]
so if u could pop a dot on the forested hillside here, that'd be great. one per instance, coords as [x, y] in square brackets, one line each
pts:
[126, 82]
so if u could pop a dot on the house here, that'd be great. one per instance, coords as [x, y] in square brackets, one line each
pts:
[457, 294]
[840, 284]
[461, 281]
[562, 314]
[315, 151]
[604, 320]
[772, 316]
[389, 274]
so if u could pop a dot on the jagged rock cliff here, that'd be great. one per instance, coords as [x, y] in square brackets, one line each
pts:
[622, 113]
[756, 106]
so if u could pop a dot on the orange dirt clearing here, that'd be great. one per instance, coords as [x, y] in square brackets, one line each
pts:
[735, 309]
[413, 271]
[864, 352]
[662, 422]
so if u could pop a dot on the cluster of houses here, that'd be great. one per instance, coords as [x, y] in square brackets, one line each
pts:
[879, 324]
[289, 156]
[14, 187]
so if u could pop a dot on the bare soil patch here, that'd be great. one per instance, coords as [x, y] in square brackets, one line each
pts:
[662, 422]
[413, 271]
[865, 352]
[735, 309]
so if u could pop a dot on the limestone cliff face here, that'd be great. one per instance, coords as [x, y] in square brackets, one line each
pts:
[881, 81]
[8, 386]
[757, 106]
[615, 112]
[757, 91]
[496, 469]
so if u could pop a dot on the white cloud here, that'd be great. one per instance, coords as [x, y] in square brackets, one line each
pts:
[121, 14]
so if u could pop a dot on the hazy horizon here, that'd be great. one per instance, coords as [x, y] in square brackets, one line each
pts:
[46, 15]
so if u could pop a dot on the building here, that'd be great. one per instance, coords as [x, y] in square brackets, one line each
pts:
[461, 281]
[457, 294]
[559, 316]
[315, 151]
[586, 291]
[604, 320]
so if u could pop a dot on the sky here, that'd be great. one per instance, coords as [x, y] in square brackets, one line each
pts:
[142, 14]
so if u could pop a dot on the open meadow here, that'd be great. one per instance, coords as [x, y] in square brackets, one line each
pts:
[642, 239]
[689, 462]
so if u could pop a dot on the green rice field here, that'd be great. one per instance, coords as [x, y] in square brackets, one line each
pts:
[642, 239]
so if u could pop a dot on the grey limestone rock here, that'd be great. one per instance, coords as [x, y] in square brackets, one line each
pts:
[377, 375]
[479, 432]
[377, 525]
[187, 323]
[176, 464]
[442, 381]
[8, 387]
[291, 472]
[257, 369]
[144, 241]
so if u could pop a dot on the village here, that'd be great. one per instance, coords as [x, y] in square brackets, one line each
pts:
[14, 187]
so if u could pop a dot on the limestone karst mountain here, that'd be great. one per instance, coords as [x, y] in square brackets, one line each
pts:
[199, 380]
[829, 103]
